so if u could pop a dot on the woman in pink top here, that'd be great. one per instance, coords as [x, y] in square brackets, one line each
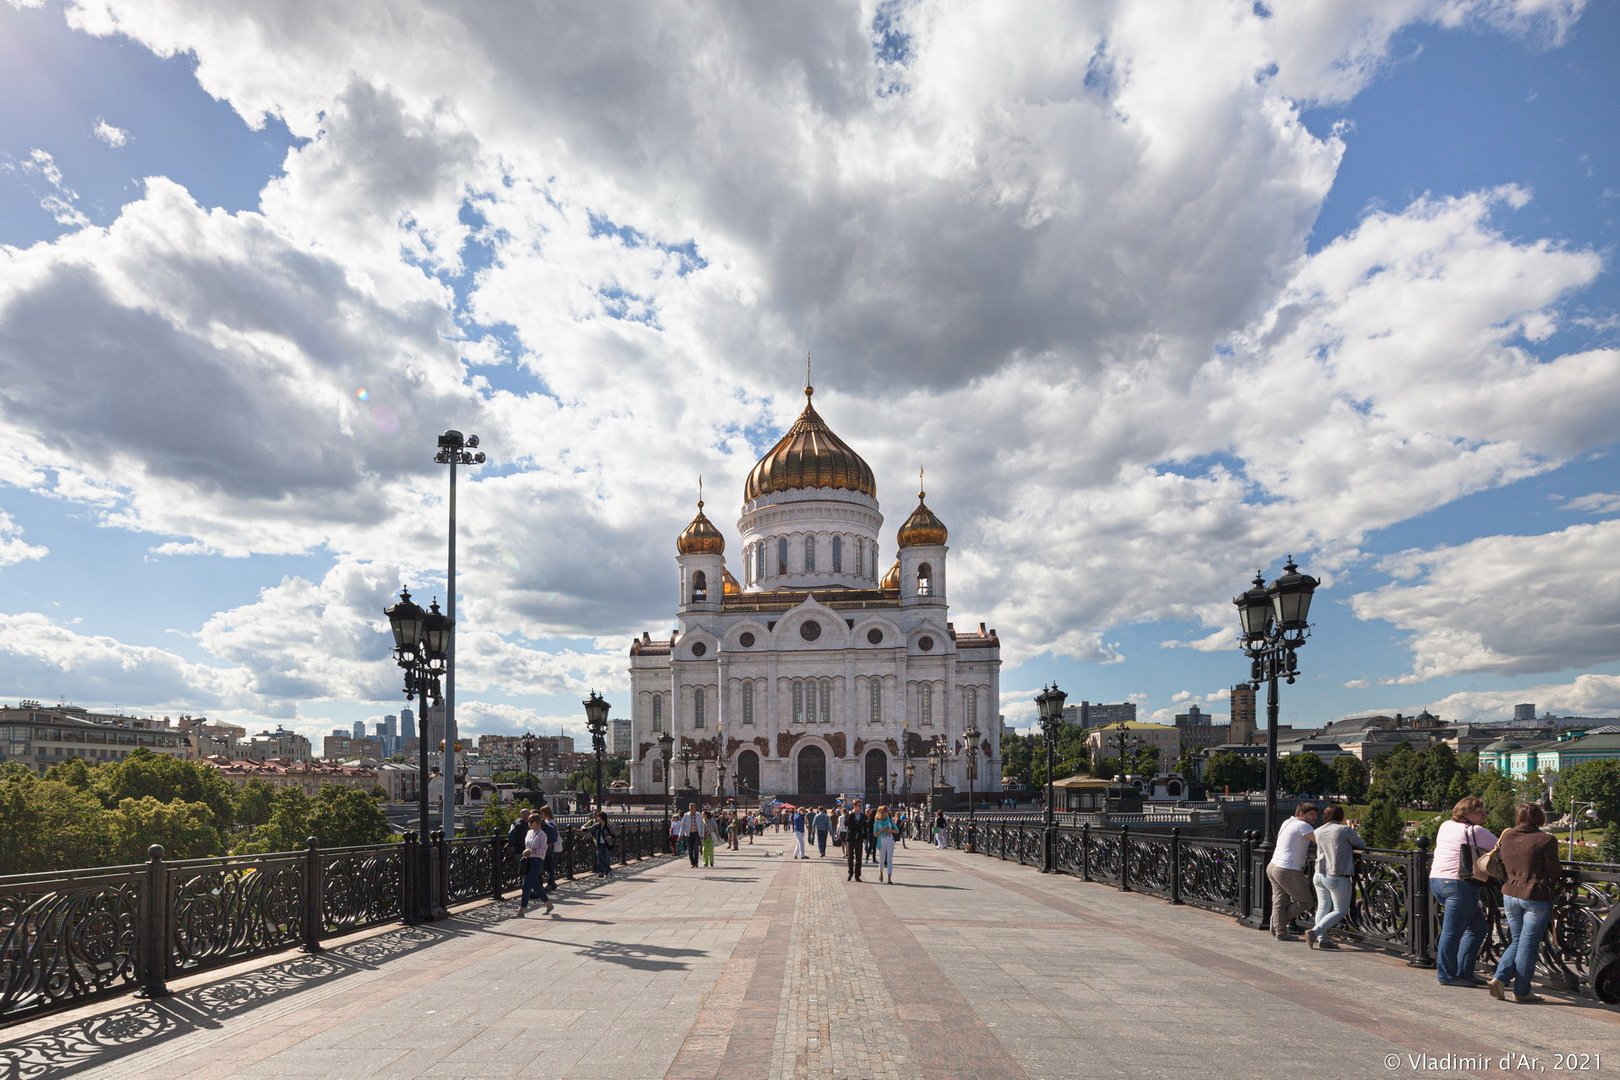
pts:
[1462, 929]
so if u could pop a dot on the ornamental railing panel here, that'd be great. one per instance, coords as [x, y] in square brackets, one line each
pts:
[70, 937]
[225, 910]
[361, 886]
[1212, 874]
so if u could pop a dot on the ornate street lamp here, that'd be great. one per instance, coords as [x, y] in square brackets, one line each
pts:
[421, 641]
[1273, 621]
[1050, 702]
[686, 763]
[529, 744]
[454, 449]
[700, 762]
[596, 719]
[970, 740]
[936, 768]
[666, 744]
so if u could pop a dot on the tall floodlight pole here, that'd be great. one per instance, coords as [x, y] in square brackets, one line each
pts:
[453, 450]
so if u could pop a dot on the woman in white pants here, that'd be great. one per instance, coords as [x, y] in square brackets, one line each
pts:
[883, 831]
[939, 830]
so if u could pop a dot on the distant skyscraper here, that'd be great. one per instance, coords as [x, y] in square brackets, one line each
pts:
[394, 743]
[620, 743]
[1242, 702]
[1524, 714]
[407, 723]
[359, 729]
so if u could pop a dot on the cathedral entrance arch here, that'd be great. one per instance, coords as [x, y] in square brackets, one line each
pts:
[877, 764]
[812, 771]
[748, 774]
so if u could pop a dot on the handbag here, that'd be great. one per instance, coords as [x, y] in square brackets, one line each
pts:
[1488, 868]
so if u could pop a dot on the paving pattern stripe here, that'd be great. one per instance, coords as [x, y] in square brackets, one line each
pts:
[1399, 1028]
[945, 1030]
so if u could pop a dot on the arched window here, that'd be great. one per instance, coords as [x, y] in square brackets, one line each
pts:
[970, 707]
[700, 587]
[809, 554]
[658, 713]
[925, 703]
[838, 554]
[697, 707]
[798, 703]
[781, 555]
[826, 701]
[657, 771]
[759, 561]
[925, 584]
[876, 692]
[748, 704]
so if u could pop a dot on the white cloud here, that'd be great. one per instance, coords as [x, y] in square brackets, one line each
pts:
[1598, 502]
[109, 134]
[13, 549]
[1586, 695]
[1505, 604]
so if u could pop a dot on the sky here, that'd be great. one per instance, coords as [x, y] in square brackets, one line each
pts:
[1158, 294]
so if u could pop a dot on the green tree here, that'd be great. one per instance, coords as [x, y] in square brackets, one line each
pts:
[46, 824]
[1609, 852]
[253, 802]
[1596, 782]
[187, 830]
[1397, 776]
[1350, 777]
[1436, 769]
[1501, 803]
[1018, 752]
[343, 816]
[287, 827]
[167, 779]
[1228, 771]
[1383, 826]
[74, 772]
[1304, 774]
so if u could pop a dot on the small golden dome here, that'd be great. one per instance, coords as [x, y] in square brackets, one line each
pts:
[891, 580]
[730, 586]
[810, 456]
[701, 537]
[922, 527]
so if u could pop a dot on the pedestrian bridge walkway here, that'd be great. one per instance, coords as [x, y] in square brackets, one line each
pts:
[765, 966]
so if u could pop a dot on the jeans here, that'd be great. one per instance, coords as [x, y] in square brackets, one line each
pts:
[798, 844]
[604, 860]
[821, 842]
[692, 841]
[1462, 930]
[1528, 921]
[1332, 901]
[534, 886]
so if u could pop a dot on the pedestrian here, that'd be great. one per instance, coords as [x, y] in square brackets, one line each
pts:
[871, 841]
[901, 821]
[534, 867]
[553, 843]
[1291, 893]
[884, 829]
[603, 835]
[823, 826]
[1530, 859]
[840, 827]
[856, 828]
[1462, 926]
[798, 835]
[733, 828]
[517, 833]
[674, 834]
[691, 832]
[939, 830]
[708, 838]
[1335, 877]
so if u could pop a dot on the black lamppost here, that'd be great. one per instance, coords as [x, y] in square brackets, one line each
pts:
[421, 639]
[666, 744]
[596, 718]
[970, 739]
[528, 744]
[1050, 702]
[936, 768]
[686, 764]
[700, 762]
[906, 798]
[720, 782]
[1273, 621]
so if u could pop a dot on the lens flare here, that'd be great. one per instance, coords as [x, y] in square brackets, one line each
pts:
[363, 394]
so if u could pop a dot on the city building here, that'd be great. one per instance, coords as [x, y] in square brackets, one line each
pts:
[307, 776]
[340, 746]
[280, 743]
[1553, 755]
[1095, 714]
[39, 736]
[1103, 742]
[813, 669]
[620, 743]
[1243, 724]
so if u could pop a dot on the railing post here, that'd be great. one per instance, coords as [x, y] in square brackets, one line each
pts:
[1420, 936]
[1124, 858]
[410, 870]
[441, 875]
[1175, 865]
[1085, 852]
[312, 895]
[570, 848]
[1245, 874]
[497, 858]
[152, 937]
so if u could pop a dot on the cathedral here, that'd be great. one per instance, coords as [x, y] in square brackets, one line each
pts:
[820, 673]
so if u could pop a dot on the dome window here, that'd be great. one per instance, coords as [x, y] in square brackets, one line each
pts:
[746, 640]
[700, 587]
[810, 630]
[838, 554]
[699, 649]
[925, 580]
[875, 636]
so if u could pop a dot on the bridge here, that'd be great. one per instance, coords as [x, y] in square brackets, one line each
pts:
[970, 965]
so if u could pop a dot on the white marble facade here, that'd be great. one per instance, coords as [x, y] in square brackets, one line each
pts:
[806, 665]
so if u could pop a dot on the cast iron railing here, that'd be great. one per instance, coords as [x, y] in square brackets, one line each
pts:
[1391, 908]
[68, 937]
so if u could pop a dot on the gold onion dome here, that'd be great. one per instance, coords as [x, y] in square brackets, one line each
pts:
[701, 537]
[891, 580]
[922, 527]
[810, 456]
[729, 584]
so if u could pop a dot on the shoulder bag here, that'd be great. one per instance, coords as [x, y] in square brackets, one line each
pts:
[1488, 868]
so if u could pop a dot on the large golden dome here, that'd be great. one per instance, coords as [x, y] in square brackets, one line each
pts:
[700, 537]
[809, 456]
[922, 527]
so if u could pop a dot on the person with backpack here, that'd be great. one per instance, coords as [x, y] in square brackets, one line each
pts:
[605, 839]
